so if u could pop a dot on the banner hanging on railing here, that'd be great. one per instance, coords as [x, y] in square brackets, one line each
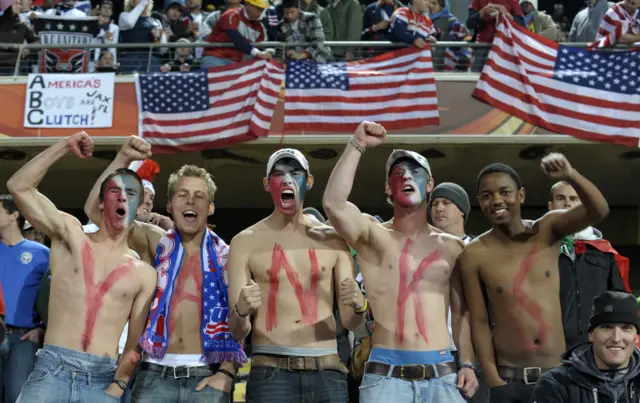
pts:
[69, 100]
[61, 31]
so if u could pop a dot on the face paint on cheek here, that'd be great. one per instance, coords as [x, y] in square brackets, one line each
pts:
[133, 199]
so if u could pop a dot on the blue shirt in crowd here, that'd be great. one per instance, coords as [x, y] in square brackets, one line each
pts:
[22, 267]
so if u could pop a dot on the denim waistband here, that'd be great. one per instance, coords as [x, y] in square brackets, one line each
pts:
[77, 361]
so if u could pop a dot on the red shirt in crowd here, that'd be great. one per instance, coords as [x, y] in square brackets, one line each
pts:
[487, 26]
[238, 20]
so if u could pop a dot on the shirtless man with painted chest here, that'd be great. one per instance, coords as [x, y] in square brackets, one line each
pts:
[287, 269]
[411, 280]
[516, 265]
[96, 285]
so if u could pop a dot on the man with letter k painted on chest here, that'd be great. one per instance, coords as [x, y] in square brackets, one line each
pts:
[411, 279]
[516, 265]
[286, 269]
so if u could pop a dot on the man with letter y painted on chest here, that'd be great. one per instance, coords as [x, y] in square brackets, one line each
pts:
[411, 279]
[515, 264]
[286, 269]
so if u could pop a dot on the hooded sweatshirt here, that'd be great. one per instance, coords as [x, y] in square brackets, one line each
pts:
[578, 380]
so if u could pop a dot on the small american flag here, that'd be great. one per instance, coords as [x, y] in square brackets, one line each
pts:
[593, 95]
[195, 111]
[396, 89]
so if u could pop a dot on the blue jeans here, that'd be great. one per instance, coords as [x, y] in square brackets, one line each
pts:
[17, 358]
[213, 61]
[384, 389]
[152, 387]
[62, 375]
[273, 385]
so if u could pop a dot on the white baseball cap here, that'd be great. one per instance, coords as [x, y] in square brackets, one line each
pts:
[397, 154]
[287, 153]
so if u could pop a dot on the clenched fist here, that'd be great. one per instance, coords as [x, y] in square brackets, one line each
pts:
[350, 294]
[369, 134]
[557, 167]
[81, 145]
[250, 299]
[135, 149]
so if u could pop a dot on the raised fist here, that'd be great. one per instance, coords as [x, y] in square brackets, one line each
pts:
[250, 299]
[136, 149]
[557, 167]
[81, 145]
[350, 294]
[369, 134]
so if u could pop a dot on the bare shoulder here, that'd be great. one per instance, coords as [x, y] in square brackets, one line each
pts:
[477, 246]
[146, 273]
[247, 235]
[151, 232]
[452, 243]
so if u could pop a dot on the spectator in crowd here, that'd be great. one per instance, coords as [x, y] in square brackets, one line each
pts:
[586, 23]
[606, 369]
[482, 19]
[106, 63]
[299, 26]
[242, 27]
[109, 31]
[270, 20]
[346, 16]
[411, 25]
[23, 264]
[620, 25]
[178, 22]
[449, 209]
[28, 12]
[588, 266]
[377, 16]
[312, 6]
[196, 20]
[538, 22]
[67, 10]
[448, 28]
[559, 18]
[210, 21]
[32, 234]
[183, 60]
[13, 31]
[137, 26]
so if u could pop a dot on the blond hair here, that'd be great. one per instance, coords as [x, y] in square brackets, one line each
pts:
[191, 171]
[130, 5]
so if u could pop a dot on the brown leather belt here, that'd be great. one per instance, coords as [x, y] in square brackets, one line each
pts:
[291, 363]
[413, 372]
[527, 375]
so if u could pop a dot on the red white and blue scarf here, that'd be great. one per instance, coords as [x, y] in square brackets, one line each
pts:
[218, 344]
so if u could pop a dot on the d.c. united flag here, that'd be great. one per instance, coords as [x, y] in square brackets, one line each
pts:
[593, 95]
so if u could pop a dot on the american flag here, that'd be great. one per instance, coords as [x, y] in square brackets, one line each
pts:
[615, 23]
[593, 95]
[396, 89]
[194, 111]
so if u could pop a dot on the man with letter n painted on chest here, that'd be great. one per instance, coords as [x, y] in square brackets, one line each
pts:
[286, 269]
[515, 264]
[411, 280]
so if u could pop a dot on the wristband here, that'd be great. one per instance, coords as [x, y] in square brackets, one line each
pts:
[122, 384]
[238, 312]
[467, 365]
[363, 309]
[254, 52]
[357, 146]
[227, 373]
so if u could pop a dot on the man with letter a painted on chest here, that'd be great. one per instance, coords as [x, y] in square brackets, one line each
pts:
[515, 265]
[286, 269]
[96, 285]
[410, 275]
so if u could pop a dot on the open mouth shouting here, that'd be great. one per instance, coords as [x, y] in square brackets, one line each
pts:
[408, 189]
[190, 216]
[287, 196]
[121, 213]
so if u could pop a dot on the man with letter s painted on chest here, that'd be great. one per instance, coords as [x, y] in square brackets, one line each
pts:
[411, 279]
[286, 269]
[516, 264]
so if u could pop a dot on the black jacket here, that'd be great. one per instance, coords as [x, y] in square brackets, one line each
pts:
[581, 280]
[578, 380]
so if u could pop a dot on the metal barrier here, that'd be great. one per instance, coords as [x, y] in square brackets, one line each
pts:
[148, 57]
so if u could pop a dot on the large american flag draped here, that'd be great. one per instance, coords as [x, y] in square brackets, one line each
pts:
[396, 89]
[593, 95]
[195, 111]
